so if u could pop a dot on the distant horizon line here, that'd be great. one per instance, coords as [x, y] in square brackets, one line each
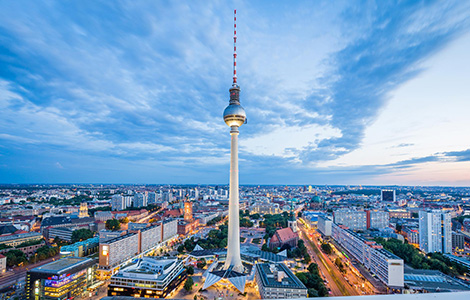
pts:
[220, 184]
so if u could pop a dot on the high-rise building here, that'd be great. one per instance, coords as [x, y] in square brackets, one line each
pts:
[388, 195]
[118, 202]
[152, 198]
[140, 200]
[435, 231]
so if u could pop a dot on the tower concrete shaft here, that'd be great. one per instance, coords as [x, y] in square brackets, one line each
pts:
[233, 245]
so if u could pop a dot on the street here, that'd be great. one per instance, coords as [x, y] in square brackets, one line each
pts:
[336, 282]
[19, 273]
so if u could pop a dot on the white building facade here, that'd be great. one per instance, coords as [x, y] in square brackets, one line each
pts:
[435, 231]
[388, 267]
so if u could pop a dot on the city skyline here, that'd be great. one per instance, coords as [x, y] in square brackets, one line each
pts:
[371, 94]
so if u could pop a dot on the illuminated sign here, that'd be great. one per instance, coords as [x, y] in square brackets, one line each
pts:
[57, 282]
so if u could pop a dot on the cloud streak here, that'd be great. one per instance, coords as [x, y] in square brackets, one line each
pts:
[129, 83]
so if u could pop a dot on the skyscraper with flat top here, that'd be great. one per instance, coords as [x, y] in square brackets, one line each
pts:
[435, 231]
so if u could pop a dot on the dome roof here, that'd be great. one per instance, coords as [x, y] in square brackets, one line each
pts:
[316, 199]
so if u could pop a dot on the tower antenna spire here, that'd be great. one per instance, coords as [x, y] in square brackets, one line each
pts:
[234, 47]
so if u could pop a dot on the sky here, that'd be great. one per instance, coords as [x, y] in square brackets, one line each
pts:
[336, 92]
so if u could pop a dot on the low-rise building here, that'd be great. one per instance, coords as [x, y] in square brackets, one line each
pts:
[412, 235]
[65, 278]
[65, 221]
[149, 277]
[3, 263]
[355, 220]
[63, 233]
[276, 281]
[103, 216]
[185, 227]
[16, 239]
[433, 281]
[284, 237]
[266, 208]
[81, 249]
[399, 213]
[458, 242]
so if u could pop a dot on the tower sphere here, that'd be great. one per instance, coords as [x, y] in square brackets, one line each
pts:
[234, 115]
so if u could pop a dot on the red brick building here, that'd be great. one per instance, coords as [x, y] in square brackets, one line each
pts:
[284, 236]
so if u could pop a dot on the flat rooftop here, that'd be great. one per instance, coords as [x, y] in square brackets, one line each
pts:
[269, 274]
[433, 281]
[63, 265]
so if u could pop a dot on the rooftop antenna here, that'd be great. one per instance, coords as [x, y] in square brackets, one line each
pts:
[234, 48]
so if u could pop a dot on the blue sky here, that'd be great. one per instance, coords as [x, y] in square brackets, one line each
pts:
[343, 92]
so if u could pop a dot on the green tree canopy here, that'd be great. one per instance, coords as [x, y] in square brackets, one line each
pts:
[326, 247]
[81, 235]
[113, 225]
[313, 281]
[188, 285]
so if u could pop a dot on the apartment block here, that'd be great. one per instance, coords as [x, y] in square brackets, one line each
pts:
[435, 231]
[385, 265]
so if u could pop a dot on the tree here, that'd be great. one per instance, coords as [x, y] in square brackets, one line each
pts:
[313, 268]
[201, 264]
[307, 258]
[313, 281]
[340, 265]
[265, 247]
[81, 235]
[125, 220]
[188, 285]
[190, 270]
[15, 257]
[245, 222]
[113, 225]
[326, 247]
[312, 293]
[399, 227]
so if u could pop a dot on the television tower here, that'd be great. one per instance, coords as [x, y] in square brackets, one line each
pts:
[234, 116]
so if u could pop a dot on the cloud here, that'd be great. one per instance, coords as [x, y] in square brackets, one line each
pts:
[129, 83]
[459, 155]
[403, 145]
[387, 54]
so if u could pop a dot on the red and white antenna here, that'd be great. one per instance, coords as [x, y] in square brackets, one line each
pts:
[235, 47]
